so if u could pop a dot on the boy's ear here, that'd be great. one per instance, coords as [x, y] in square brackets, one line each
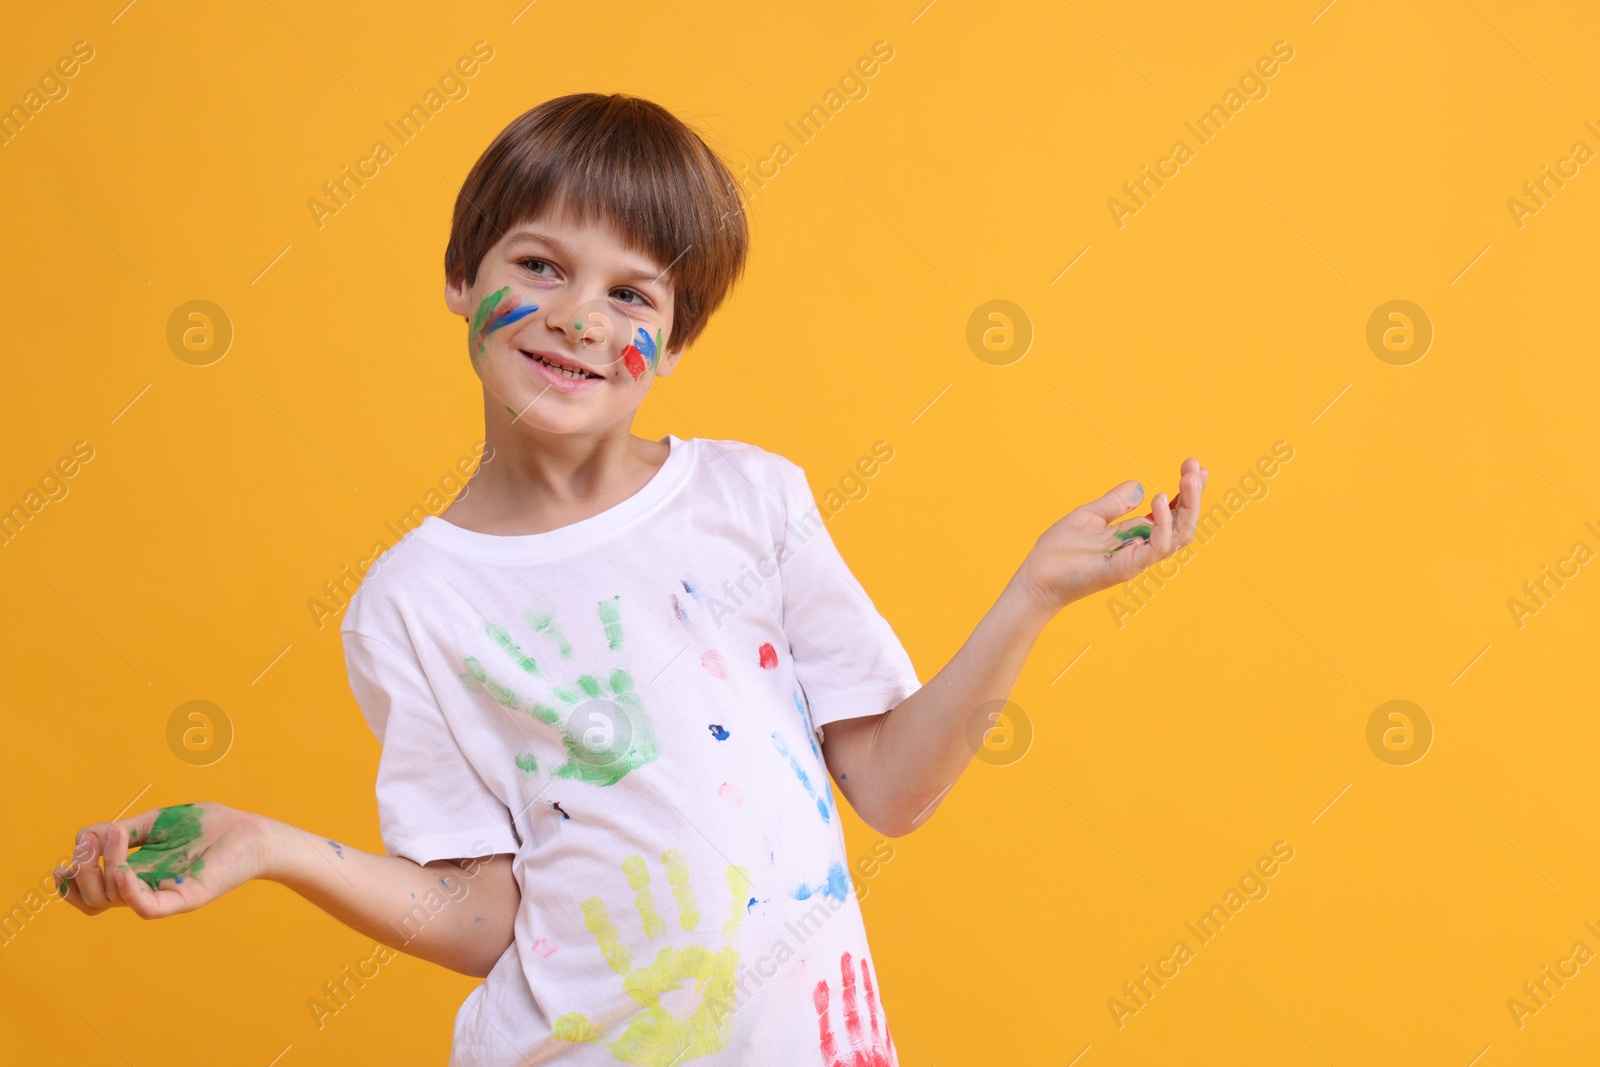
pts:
[669, 359]
[457, 296]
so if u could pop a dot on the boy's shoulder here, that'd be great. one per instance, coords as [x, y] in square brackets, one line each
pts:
[760, 467]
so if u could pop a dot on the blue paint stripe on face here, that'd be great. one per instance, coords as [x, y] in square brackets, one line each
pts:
[647, 347]
[516, 314]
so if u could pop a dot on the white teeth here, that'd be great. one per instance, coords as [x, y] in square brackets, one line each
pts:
[563, 371]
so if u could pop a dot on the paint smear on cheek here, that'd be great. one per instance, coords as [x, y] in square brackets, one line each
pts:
[649, 347]
[497, 310]
[480, 319]
[769, 657]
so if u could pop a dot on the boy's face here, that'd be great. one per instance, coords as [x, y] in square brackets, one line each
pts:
[566, 326]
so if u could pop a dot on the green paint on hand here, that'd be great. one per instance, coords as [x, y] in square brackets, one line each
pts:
[165, 854]
[1137, 531]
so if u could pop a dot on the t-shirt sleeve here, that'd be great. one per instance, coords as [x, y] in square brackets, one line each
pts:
[846, 655]
[432, 803]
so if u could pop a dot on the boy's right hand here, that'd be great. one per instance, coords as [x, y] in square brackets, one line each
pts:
[183, 856]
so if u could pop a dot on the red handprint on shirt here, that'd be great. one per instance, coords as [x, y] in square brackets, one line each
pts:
[866, 1050]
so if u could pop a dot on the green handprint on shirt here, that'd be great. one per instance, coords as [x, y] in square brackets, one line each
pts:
[599, 715]
[654, 1036]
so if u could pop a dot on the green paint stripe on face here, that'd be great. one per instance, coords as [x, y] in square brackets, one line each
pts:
[486, 308]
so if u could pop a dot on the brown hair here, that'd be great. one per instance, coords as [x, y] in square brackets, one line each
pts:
[627, 161]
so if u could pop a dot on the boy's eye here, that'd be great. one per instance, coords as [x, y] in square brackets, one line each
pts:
[630, 296]
[535, 264]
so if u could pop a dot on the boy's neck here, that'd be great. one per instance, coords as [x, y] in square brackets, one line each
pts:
[534, 481]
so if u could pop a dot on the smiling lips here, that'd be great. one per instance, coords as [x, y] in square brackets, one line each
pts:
[561, 366]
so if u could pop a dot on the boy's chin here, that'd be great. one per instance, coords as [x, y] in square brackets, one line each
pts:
[553, 415]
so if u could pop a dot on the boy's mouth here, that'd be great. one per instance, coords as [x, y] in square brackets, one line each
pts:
[566, 368]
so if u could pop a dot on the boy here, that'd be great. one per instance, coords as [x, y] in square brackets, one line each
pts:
[612, 682]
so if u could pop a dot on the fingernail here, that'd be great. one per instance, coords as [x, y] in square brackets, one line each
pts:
[1138, 491]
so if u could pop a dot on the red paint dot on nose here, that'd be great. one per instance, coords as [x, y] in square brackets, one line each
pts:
[769, 657]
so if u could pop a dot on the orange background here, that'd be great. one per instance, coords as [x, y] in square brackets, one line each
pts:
[1229, 713]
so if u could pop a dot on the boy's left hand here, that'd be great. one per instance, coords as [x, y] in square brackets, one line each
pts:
[1090, 549]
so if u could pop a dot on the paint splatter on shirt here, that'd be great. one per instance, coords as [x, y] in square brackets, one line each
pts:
[502, 673]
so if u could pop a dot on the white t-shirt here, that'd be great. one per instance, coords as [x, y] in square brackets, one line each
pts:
[631, 705]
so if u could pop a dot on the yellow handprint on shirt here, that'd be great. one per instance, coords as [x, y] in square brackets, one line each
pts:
[654, 1037]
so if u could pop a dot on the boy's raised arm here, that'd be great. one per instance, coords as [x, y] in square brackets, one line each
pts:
[895, 767]
[456, 913]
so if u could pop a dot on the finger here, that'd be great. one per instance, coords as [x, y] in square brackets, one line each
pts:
[66, 885]
[116, 860]
[150, 903]
[1189, 514]
[89, 880]
[1161, 538]
[1121, 500]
